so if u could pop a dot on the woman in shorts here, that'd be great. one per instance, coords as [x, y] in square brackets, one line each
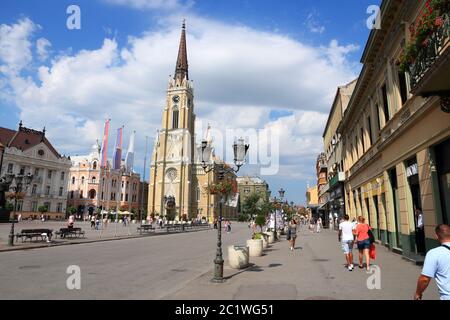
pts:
[361, 232]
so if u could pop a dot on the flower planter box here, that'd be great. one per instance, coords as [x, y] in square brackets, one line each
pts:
[271, 237]
[255, 247]
[238, 257]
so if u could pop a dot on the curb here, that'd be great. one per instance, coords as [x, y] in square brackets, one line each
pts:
[93, 241]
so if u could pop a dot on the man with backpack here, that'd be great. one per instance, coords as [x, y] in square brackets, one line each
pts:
[437, 266]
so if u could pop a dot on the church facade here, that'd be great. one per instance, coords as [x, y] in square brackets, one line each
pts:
[178, 183]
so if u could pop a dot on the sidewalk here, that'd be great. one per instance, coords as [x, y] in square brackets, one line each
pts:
[315, 270]
[111, 233]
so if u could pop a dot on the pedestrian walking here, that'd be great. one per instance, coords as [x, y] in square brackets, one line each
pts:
[420, 231]
[215, 223]
[347, 238]
[361, 232]
[292, 233]
[19, 218]
[70, 222]
[437, 266]
[97, 223]
[93, 222]
[228, 226]
[319, 225]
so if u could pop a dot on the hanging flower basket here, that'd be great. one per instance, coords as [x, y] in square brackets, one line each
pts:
[224, 188]
[429, 21]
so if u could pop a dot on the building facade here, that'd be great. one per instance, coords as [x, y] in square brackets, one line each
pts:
[178, 184]
[250, 185]
[92, 187]
[333, 151]
[29, 151]
[396, 132]
[312, 201]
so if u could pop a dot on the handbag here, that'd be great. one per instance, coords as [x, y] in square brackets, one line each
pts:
[372, 252]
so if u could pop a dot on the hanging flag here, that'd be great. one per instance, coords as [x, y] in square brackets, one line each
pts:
[117, 158]
[129, 159]
[104, 160]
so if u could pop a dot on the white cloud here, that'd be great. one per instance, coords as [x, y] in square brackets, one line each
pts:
[15, 46]
[150, 4]
[313, 24]
[240, 76]
[42, 48]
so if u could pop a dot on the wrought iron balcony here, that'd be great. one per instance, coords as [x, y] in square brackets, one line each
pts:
[430, 73]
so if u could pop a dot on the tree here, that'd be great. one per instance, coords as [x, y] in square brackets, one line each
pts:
[72, 210]
[251, 205]
[42, 209]
[260, 221]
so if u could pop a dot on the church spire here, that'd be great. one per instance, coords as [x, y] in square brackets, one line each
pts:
[181, 69]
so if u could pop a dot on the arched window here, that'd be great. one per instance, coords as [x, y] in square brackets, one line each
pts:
[94, 165]
[94, 180]
[92, 194]
[82, 180]
[73, 180]
[175, 115]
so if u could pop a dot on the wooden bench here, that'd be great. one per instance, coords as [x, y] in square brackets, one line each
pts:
[70, 233]
[146, 228]
[43, 234]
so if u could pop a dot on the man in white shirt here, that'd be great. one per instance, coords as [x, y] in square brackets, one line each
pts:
[346, 238]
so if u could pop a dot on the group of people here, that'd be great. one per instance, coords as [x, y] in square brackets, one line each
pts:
[359, 233]
[226, 225]
[316, 225]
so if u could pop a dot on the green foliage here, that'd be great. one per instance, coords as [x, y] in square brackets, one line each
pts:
[9, 206]
[71, 210]
[42, 209]
[257, 236]
[243, 217]
[260, 221]
[251, 205]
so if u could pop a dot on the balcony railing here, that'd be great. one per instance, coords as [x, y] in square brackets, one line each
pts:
[438, 42]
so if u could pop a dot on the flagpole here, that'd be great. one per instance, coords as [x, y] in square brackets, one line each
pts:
[143, 182]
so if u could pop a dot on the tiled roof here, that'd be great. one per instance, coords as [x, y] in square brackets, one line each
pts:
[24, 139]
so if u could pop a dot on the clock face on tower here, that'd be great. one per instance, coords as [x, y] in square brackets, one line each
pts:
[176, 99]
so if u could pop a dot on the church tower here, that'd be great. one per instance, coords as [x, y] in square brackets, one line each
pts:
[170, 190]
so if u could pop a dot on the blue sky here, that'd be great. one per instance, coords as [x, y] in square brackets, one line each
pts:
[316, 28]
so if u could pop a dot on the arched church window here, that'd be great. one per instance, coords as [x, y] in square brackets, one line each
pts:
[94, 165]
[175, 115]
[92, 194]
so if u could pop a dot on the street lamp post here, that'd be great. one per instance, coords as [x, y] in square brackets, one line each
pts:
[240, 151]
[21, 182]
[281, 193]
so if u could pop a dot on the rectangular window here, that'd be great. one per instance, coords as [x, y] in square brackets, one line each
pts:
[59, 207]
[403, 87]
[47, 190]
[49, 175]
[10, 167]
[22, 170]
[33, 190]
[102, 195]
[63, 175]
[19, 205]
[377, 108]
[61, 189]
[387, 115]
[126, 197]
[369, 125]
[34, 206]
[36, 172]
[48, 205]
[121, 197]
[362, 140]
[71, 194]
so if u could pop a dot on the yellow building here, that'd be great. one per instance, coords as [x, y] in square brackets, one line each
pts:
[396, 134]
[250, 185]
[178, 183]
